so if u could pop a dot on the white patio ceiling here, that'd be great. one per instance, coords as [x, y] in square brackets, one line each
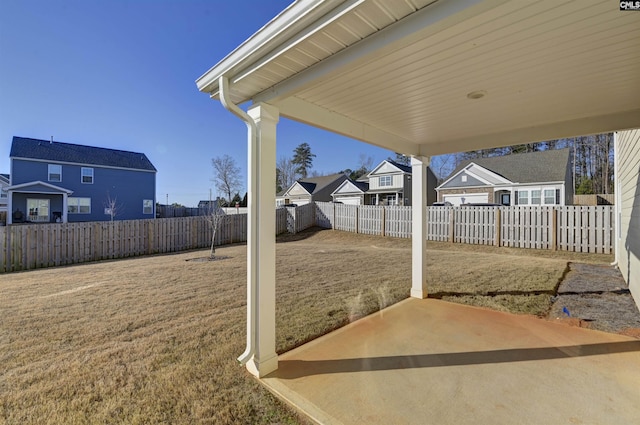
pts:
[397, 73]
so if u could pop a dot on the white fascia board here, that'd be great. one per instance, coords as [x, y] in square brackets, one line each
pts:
[426, 21]
[375, 170]
[475, 175]
[296, 19]
[308, 113]
[339, 187]
[624, 120]
[453, 176]
[347, 183]
[294, 185]
[535, 184]
[20, 186]
[489, 172]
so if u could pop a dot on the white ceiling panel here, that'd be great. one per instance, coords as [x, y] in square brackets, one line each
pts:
[403, 68]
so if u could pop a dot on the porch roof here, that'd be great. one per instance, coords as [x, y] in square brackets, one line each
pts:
[38, 187]
[426, 77]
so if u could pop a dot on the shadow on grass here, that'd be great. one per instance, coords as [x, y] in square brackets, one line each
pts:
[300, 236]
[293, 369]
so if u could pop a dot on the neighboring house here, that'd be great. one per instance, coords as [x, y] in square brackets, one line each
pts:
[59, 182]
[536, 178]
[310, 189]
[387, 184]
[351, 192]
[4, 183]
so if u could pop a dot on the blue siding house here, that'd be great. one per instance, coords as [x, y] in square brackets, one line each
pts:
[62, 182]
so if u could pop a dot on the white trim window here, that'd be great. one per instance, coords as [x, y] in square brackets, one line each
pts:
[384, 181]
[38, 210]
[523, 197]
[55, 172]
[79, 205]
[549, 196]
[535, 197]
[86, 175]
[147, 206]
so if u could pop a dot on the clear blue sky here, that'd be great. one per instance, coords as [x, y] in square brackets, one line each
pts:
[121, 74]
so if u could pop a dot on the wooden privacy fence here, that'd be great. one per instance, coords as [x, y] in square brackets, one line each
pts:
[601, 199]
[567, 228]
[26, 247]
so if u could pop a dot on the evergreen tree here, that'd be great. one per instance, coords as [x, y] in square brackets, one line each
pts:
[303, 159]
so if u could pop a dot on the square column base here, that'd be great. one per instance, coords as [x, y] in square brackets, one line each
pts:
[419, 293]
[261, 368]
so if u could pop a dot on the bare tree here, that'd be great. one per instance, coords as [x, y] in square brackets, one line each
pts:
[214, 217]
[365, 162]
[226, 175]
[444, 164]
[286, 172]
[112, 207]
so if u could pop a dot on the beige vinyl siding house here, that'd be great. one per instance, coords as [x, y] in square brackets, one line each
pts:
[390, 184]
[310, 189]
[628, 208]
[351, 192]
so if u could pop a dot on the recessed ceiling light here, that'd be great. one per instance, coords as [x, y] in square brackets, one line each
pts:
[477, 94]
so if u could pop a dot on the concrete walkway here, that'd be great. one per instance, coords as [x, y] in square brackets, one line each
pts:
[433, 362]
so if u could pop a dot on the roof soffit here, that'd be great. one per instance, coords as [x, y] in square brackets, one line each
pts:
[551, 70]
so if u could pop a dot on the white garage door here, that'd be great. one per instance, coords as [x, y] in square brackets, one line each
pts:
[468, 198]
[348, 200]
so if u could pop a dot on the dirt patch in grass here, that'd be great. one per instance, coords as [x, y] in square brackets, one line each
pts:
[155, 339]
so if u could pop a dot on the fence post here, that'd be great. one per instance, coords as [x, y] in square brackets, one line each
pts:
[498, 232]
[383, 224]
[150, 241]
[333, 223]
[357, 219]
[554, 229]
[451, 224]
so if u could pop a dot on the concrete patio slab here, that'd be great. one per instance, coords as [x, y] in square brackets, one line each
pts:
[433, 362]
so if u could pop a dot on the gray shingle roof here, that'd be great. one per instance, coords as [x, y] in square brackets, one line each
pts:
[66, 152]
[314, 184]
[363, 186]
[533, 167]
[405, 168]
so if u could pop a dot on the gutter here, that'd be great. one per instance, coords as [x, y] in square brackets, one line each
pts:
[253, 172]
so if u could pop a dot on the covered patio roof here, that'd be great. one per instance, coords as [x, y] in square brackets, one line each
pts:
[426, 77]
[422, 78]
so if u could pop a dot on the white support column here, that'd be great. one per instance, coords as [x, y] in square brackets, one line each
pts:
[419, 166]
[261, 260]
[9, 208]
[65, 207]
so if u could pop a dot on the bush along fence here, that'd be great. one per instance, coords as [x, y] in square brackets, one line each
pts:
[567, 228]
[580, 229]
